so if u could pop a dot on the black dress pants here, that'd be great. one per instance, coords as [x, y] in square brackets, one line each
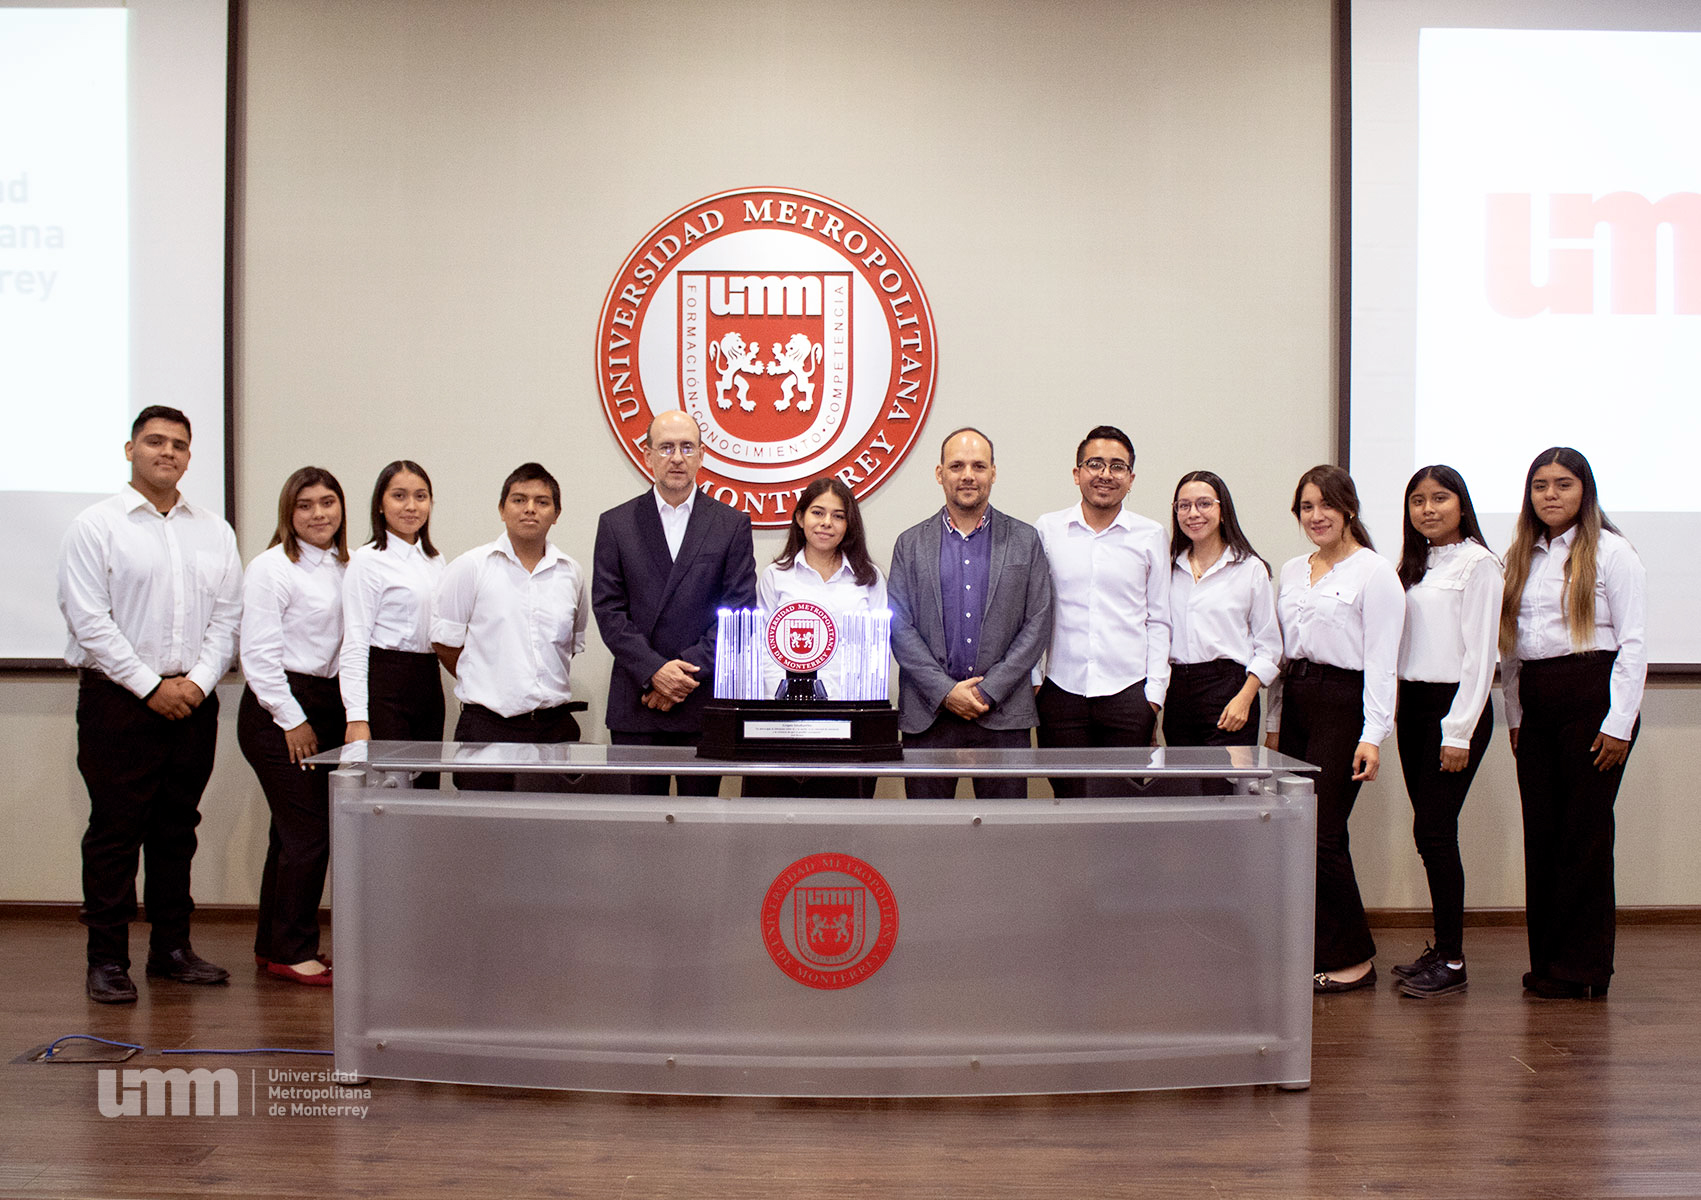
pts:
[145, 775]
[1569, 899]
[1437, 798]
[404, 699]
[1123, 718]
[951, 732]
[1322, 720]
[1198, 693]
[541, 727]
[298, 849]
[656, 785]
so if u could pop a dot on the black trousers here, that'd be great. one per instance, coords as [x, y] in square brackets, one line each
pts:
[1121, 719]
[1437, 798]
[145, 776]
[1198, 693]
[656, 785]
[951, 732]
[1569, 900]
[298, 849]
[1322, 719]
[857, 787]
[541, 727]
[404, 700]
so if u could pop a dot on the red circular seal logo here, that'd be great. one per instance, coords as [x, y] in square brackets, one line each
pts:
[801, 636]
[829, 921]
[789, 326]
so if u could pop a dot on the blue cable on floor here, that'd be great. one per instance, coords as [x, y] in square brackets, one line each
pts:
[89, 1037]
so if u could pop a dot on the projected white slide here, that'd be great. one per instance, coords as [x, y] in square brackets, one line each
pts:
[1559, 256]
[64, 252]
[112, 276]
[1526, 264]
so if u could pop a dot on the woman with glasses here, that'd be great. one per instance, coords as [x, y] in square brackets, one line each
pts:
[392, 684]
[1341, 610]
[1453, 588]
[1224, 640]
[1573, 666]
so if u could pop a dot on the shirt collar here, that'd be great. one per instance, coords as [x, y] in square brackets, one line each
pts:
[1225, 560]
[134, 500]
[798, 564]
[310, 555]
[505, 547]
[684, 506]
[1078, 516]
[1565, 539]
[945, 516]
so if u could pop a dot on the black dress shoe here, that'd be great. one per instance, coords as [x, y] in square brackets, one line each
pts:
[1564, 989]
[1322, 985]
[110, 983]
[185, 966]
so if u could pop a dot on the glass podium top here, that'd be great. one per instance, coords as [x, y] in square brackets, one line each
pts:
[593, 758]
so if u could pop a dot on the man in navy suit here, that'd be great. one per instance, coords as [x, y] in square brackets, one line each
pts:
[665, 563]
[971, 611]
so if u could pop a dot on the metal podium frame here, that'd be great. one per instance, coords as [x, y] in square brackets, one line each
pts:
[608, 942]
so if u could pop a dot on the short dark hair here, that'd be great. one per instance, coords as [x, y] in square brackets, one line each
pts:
[991, 454]
[159, 412]
[530, 472]
[1104, 433]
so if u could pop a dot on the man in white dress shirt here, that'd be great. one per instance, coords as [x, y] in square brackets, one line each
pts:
[508, 619]
[151, 589]
[1108, 664]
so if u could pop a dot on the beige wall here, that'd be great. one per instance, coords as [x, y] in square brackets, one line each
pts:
[1120, 211]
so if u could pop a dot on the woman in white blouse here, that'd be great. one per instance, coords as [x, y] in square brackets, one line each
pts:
[1224, 641]
[1573, 666]
[292, 622]
[392, 685]
[1341, 610]
[825, 561]
[1453, 588]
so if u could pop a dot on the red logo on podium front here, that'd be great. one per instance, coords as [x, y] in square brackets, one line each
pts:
[829, 921]
[802, 636]
[789, 326]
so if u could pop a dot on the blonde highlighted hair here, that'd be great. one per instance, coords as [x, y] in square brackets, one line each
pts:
[1582, 566]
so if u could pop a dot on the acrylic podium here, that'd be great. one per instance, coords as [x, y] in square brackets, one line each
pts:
[788, 947]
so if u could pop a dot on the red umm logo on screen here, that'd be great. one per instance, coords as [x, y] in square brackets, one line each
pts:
[789, 326]
[801, 636]
[829, 921]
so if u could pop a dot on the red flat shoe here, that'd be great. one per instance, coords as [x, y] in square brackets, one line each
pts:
[261, 962]
[282, 971]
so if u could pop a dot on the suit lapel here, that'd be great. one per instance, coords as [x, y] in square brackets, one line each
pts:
[689, 547]
[651, 535]
[932, 606]
[999, 552]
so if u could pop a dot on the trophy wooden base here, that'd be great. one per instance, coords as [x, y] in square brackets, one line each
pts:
[800, 731]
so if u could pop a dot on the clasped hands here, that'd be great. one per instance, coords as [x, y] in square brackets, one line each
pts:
[671, 683]
[176, 698]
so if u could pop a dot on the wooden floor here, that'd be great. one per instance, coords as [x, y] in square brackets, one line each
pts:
[1486, 1094]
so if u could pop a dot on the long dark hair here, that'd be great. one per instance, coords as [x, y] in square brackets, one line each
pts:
[1414, 547]
[855, 544]
[380, 530]
[297, 483]
[1239, 546]
[1581, 566]
[1339, 494]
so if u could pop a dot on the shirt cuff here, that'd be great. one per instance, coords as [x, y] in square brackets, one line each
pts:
[203, 678]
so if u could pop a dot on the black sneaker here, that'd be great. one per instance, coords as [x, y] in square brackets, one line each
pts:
[1437, 979]
[1407, 970]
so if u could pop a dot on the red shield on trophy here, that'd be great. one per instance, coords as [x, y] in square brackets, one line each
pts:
[830, 923]
[802, 640]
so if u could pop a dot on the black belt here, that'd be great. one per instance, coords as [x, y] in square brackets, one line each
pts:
[1304, 668]
[1214, 666]
[537, 714]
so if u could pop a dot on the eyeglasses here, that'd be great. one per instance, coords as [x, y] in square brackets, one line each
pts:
[1098, 466]
[669, 449]
[1183, 507]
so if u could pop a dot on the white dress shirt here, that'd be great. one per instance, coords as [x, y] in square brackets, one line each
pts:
[674, 519]
[841, 595]
[292, 620]
[1351, 618]
[1228, 612]
[1621, 613]
[386, 603]
[1110, 609]
[148, 594]
[1452, 624]
[518, 630]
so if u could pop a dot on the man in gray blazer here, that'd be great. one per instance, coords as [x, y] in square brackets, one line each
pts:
[971, 613]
